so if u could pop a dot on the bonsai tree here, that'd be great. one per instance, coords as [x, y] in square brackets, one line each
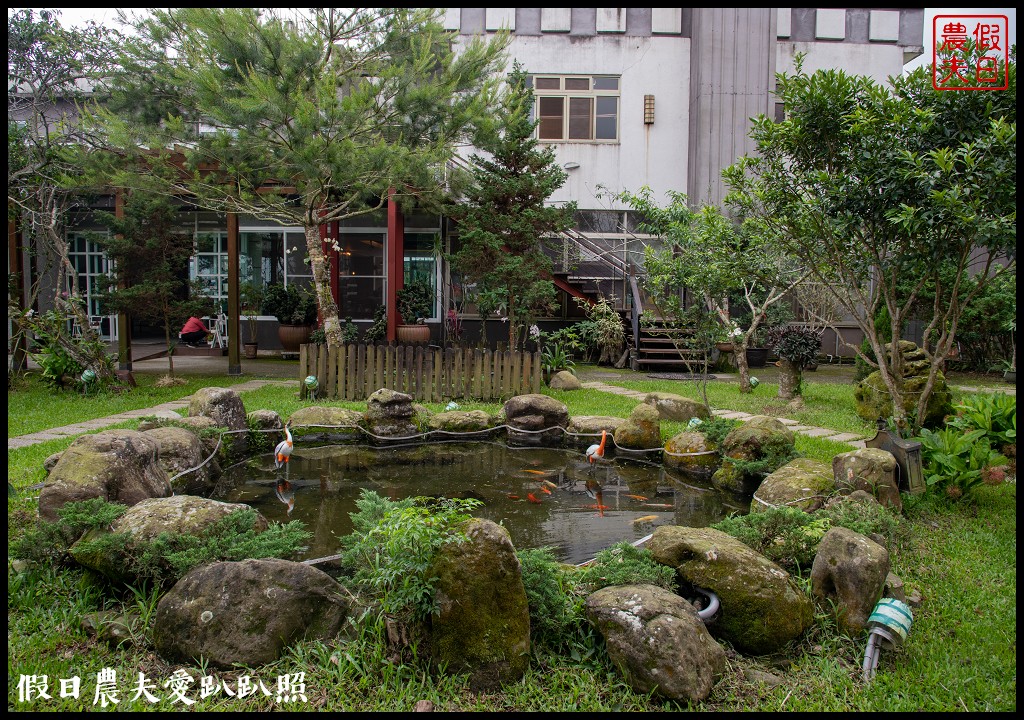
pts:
[415, 302]
[290, 305]
[252, 295]
[796, 347]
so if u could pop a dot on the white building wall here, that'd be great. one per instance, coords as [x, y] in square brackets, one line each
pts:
[876, 61]
[655, 155]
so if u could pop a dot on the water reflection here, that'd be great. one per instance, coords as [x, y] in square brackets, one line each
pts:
[544, 497]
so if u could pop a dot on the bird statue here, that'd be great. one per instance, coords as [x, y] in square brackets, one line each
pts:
[596, 452]
[283, 451]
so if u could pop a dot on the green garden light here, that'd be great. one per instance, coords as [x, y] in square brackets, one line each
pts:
[88, 377]
[311, 385]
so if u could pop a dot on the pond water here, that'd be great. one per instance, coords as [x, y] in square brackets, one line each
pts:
[544, 497]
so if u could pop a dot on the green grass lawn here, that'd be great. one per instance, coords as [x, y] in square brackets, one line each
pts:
[960, 654]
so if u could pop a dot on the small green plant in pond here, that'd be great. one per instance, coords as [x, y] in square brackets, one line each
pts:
[624, 564]
[393, 545]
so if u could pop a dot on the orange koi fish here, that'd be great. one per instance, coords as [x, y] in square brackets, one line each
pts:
[637, 497]
[665, 505]
[539, 472]
[597, 506]
[532, 498]
[510, 496]
[645, 518]
[545, 490]
[549, 483]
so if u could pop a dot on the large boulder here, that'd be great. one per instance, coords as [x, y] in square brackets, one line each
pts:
[246, 613]
[482, 626]
[802, 483]
[762, 607]
[759, 438]
[119, 466]
[147, 520]
[873, 400]
[872, 470]
[641, 430]
[265, 428]
[692, 453]
[676, 407]
[223, 406]
[657, 640]
[183, 457]
[390, 414]
[461, 421]
[848, 575]
[564, 380]
[534, 419]
[325, 423]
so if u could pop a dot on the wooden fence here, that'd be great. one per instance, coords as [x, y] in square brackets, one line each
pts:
[353, 372]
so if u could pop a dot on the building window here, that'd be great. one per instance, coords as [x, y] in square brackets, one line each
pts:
[577, 108]
[420, 263]
[361, 278]
[93, 270]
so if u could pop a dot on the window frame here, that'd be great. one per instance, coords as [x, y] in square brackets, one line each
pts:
[570, 122]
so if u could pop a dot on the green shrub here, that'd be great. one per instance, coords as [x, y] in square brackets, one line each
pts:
[555, 610]
[866, 518]
[48, 542]
[393, 545]
[379, 329]
[716, 428]
[787, 536]
[957, 462]
[995, 413]
[624, 564]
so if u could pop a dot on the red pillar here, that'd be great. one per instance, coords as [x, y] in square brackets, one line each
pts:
[395, 262]
[124, 325]
[234, 308]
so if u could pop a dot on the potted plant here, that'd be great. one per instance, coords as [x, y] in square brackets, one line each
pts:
[415, 304]
[295, 310]
[251, 296]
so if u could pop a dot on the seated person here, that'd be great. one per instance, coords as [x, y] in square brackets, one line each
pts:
[194, 332]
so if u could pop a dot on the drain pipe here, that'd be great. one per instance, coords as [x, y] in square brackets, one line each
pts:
[713, 602]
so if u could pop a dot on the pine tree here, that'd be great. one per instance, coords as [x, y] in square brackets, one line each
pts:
[504, 216]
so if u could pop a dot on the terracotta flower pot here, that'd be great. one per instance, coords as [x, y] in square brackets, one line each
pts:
[250, 350]
[412, 334]
[291, 336]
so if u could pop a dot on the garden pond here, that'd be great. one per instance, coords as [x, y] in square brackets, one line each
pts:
[544, 497]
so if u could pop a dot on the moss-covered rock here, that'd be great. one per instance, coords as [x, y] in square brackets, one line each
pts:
[761, 439]
[677, 407]
[534, 419]
[692, 453]
[871, 470]
[802, 483]
[461, 421]
[326, 423]
[482, 626]
[874, 401]
[641, 430]
[762, 607]
[182, 457]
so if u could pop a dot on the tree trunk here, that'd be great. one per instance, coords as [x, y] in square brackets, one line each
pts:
[322, 285]
[789, 379]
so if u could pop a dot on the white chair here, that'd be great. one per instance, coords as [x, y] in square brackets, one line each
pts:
[220, 332]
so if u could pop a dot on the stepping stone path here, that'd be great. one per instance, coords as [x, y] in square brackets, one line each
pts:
[100, 423]
[848, 438]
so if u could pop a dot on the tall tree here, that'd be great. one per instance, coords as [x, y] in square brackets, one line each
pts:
[885, 191]
[51, 71]
[716, 258]
[504, 213]
[330, 108]
[150, 259]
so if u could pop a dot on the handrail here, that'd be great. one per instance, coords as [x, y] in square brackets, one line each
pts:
[637, 311]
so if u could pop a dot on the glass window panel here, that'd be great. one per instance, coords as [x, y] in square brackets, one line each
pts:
[295, 253]
[207, 265]
[607, 118]
[606, 83]
[549, 83]
[204, 242]
[581, 113]
[360, 296]
[551, 112]
[577, 83]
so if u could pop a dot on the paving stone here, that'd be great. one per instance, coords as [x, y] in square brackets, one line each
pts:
[800, 428]
[816, 432]
[844, 437]
[787, 421]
